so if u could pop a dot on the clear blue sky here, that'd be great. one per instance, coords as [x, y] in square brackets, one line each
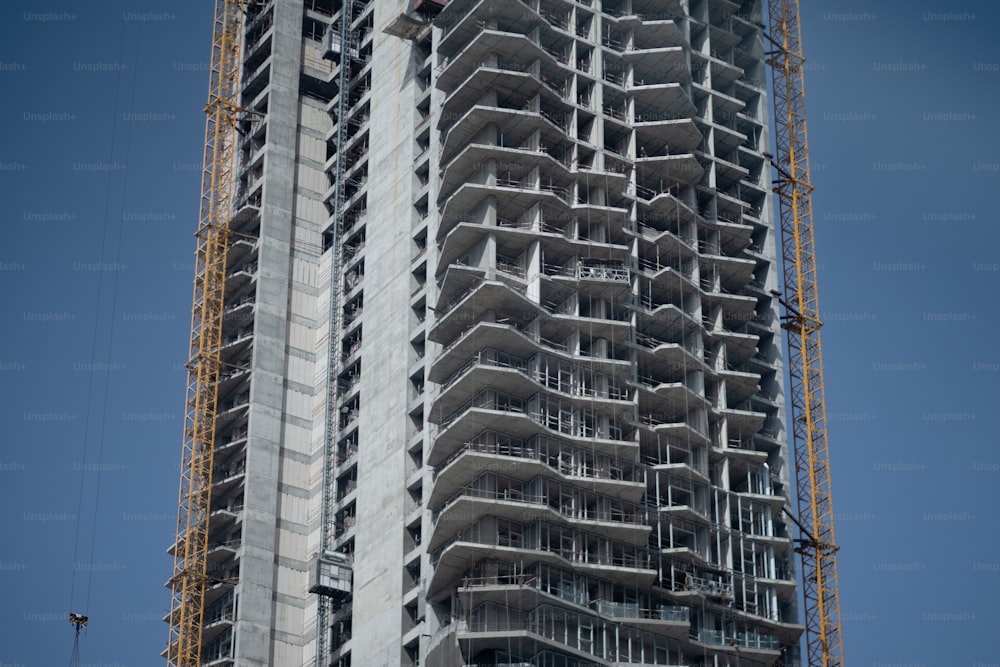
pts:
[100, 153]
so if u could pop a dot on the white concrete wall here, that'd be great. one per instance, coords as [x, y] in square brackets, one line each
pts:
[378, 570]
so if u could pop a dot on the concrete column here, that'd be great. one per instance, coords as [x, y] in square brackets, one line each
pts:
[256, 622]
[383, 418]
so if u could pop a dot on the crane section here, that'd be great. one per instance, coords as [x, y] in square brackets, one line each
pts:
[190, 575]
[817, 546]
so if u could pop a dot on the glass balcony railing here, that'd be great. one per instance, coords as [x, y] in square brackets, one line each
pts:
[749, 640]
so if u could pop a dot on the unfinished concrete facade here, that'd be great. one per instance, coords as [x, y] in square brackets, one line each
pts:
[500, 331]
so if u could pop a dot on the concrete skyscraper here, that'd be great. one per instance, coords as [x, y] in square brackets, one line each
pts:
[502, 358]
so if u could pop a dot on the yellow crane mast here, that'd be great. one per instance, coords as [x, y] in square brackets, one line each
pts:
[190, 575]
[817, 546]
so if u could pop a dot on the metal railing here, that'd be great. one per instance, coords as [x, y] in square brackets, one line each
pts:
[564, 457]
[545, 536]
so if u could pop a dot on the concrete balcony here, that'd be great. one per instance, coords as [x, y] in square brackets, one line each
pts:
[566, 318]
[669, 360]
[241, 251]
[658, 204]
[651, 10]
[226, 477]
[765, 401]
[740, 345]
[475, 157]
[657, 164]
[253, 82]
[521, 592]
[739, 450]
[451, 560]
[740, 385]
[666, 284]
[575, 501]
[679, 429]
[517, 237]
[231, 378]
[649, 31]
[728, 172]
[229, 441]
[662, 323]
[752, 216]
[724, 72]
[542, 541]
[724, 105]
[573, 633]
[599, 279]
[753, 187]
[729, 207]
[516, 338]
[526, 459]
[696, 513]
[513, 198]
[487, 296]
[515, 115]
[218, 618]
[726, 138]
[232, 411]
[241, 308]
[506, 85]
[666, 401]
[490, 367]
[501, 49]
[225, 520]
[666, 242]
[741, 419]
[227, 551]
[661, 101]
[460, 280]
[461, 24]
[469, 381]
[657, 64]
[734, 235]
[735, 307]
[235, 346]
[785, 585]
[458, 512]
[680, 134]
[521, 418]
[464, 425]
[507, 336]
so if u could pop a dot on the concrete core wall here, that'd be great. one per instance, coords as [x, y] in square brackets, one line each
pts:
[379, 545]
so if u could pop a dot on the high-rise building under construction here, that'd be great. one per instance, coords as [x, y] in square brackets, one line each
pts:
[501, 369]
